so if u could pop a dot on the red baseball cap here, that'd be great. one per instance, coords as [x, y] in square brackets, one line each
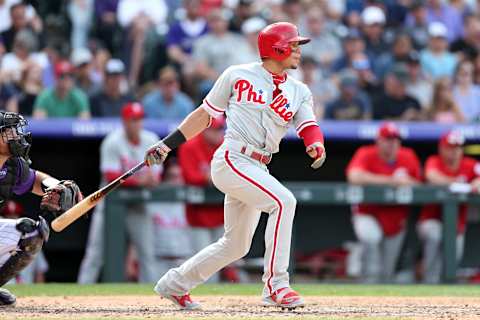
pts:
[452, 138]
[132, 110]
[63, 67]
[389, 130]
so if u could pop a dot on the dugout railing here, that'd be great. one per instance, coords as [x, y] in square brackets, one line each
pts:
[307, 193]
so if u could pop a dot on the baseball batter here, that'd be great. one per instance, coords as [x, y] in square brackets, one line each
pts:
[22, 239]
[447, 167]
[260, 102]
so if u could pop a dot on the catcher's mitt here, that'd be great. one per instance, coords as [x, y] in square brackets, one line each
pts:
[61, 197]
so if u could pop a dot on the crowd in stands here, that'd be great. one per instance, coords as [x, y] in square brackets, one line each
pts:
[394, 59]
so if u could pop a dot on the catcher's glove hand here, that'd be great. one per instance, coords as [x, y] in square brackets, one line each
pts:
[157, 153]
[61, 197]
[317, 152]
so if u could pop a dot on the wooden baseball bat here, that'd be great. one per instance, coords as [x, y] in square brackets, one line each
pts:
[75, 212]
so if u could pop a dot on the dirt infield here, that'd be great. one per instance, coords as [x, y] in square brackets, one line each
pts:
[233, 307]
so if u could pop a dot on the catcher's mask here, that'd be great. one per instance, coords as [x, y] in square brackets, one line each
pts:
[12, 129]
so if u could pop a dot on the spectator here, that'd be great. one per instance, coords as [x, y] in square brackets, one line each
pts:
[121, 150]
[367, 80]
[80, 13]
[468, 46]
[324, 46]
[5, 15]
[243, 11]
[447, 168]
[353, 46]
[250, 30]
[416, 24]
[29, 88]
[110, 100]
[217, 50]
[418, 85]
[64, 100]
[373, 21]
[352, 103]
[22, 19]
[443, 107]
[24, 47]
[167, 102]
[381, 228]
[394, 102]
[170, 222]
[183, 33]
[106, 24]
[466, 94]
[194, 157]
[323, 88]
[439, 11]
[140, 18]
[84, 77]
[401, 48]
[436, 61]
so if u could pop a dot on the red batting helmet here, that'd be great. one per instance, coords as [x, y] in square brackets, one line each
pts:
[274, 40]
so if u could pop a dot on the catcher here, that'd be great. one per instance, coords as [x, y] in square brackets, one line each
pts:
[21, 239]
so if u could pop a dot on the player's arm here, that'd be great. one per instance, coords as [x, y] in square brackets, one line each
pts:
[361, 176]
[197, 121]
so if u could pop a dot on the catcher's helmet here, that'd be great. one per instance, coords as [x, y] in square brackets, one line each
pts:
[274, 40]
[12, 131]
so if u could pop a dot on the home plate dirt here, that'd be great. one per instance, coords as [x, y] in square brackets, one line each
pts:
[118, 307]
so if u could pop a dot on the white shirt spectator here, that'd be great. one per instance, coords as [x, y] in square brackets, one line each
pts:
[13, 66]
[127, 10]
[5, 21]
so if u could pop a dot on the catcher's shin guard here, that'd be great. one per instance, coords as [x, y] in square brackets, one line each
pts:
[6, 298]
[28, 247]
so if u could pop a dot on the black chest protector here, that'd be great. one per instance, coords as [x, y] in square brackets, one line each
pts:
[15, 170]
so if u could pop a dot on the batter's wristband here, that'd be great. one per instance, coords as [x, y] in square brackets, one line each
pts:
[174, 139]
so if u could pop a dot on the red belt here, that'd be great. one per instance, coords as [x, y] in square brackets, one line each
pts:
[257, 156]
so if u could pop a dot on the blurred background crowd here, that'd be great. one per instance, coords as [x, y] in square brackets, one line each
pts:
[393, 59]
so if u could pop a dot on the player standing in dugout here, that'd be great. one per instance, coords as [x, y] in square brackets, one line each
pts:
[21, 239]
[260, 102]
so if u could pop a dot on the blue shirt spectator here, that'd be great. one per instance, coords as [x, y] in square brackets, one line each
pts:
[167, 102]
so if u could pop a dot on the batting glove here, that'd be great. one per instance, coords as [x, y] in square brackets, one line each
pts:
[317, 152]
[157, 153]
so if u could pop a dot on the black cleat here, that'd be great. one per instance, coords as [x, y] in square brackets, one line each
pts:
[6, 298]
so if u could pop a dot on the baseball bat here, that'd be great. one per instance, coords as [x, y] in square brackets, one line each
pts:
[75, 212]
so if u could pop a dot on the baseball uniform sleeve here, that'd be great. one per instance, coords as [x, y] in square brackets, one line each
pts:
[359, 161]
[304, 117]
[216, 100]
[109, 158]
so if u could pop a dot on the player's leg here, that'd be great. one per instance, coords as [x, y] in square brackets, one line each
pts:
[430, 232]
[201, 238]
[140, 230]
[391, 248]
[20, 241]
[241, 221]
[92, 261]
[370, 234]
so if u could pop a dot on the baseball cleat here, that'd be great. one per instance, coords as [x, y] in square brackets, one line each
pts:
[6, 298]
[285, 298]
[184, 302]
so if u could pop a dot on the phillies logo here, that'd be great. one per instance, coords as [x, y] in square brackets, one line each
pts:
[280, 106]
[244, 86]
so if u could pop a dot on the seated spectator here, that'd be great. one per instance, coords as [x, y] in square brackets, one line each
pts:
[167, 101]
[23, 18]
[352, 103]
[250, 30]
[84, 78]
[5, 15]
[324, 46]
[443, 12]
[394, 102]
[468, 46]
[24, 53]
[443, 107]
[353, 45]
[466, 94]
[401, 48]
[380, 229]
[447, 167]
[373, 21]
[112, 97]
[436, 61]
[63, 100]
[418, 85]
[141, 19]
[416, 24]
[29, 88]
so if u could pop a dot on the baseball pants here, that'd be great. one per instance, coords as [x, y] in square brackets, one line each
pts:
[430, 232]
[380, 253]
[249, 190]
